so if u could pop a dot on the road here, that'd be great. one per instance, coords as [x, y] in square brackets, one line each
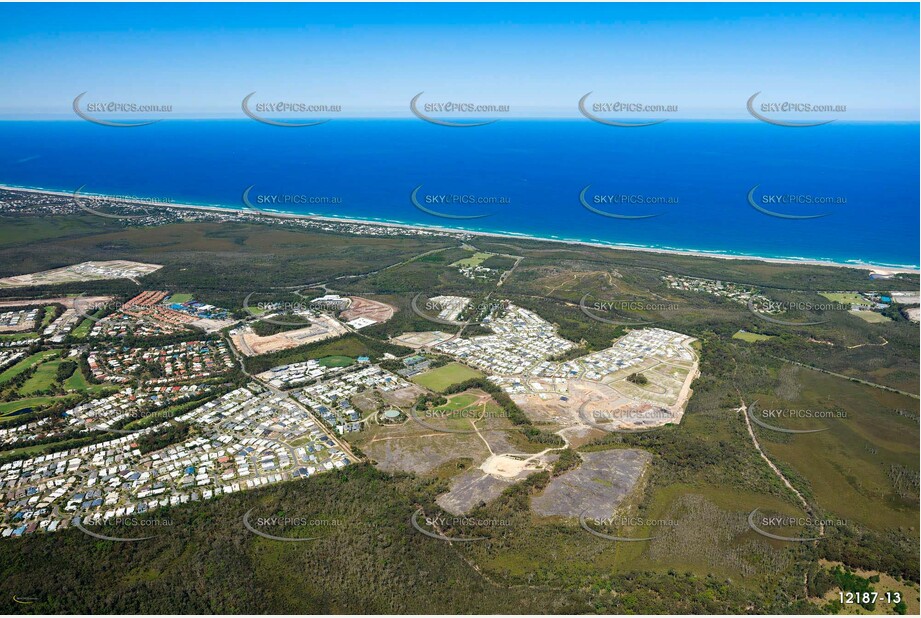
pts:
[743, 409]
[342, 444]
[852, 379]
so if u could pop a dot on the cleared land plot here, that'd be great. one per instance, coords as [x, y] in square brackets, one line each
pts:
[366, 308]
[447, 375]
[211, 326]
[660, 390]
[180, 298]
[84, 304]
[441, 436]
[751, 337]
[413, 448]
[556, 412]
[403, 397]
[321, 328]
[870, 316]
[906, 298]
[85, 271]
[474, 260]
[475, 486]
[596, 487]
[422, 339]
[846, 298]
[336, 361]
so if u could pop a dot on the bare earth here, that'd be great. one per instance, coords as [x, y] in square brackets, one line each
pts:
[85, 271]
[596, 487]
[86, 304]
[366, 308]
[422, 454]
[323, 327]
[422, 339]
[474, 486]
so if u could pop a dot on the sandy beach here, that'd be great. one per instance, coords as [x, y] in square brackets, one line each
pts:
[873, 269]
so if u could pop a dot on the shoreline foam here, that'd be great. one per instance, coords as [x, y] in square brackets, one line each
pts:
[882, 269]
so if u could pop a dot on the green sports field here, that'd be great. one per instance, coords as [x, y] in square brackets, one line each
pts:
[336, 361]
[846, 298]
[751, 337]
[870, 316]
[474, 260]
[441, 378]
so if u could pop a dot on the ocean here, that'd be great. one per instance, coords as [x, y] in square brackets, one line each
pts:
[554, 179]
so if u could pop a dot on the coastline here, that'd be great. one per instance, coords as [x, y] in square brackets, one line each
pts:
[872, 268]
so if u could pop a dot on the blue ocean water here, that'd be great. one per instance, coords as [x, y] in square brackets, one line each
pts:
[530, 174]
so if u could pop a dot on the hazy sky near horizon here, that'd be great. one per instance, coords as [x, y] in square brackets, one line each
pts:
[537, 58]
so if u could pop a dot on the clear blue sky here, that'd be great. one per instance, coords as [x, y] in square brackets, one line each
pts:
[540, 58]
